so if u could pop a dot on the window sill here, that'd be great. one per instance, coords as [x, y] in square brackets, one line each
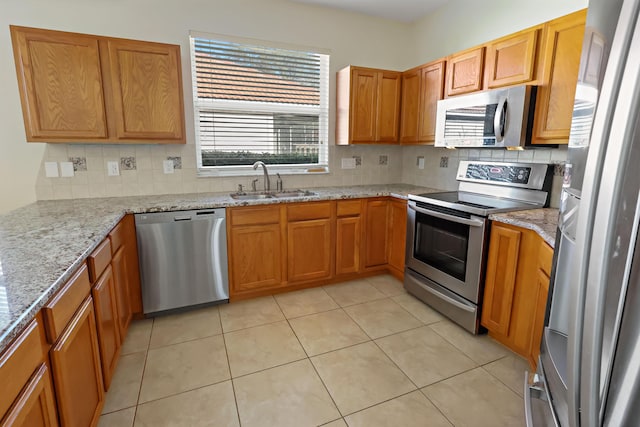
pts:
[226, 171]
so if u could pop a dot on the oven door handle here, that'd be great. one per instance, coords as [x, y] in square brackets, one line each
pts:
[452, 218]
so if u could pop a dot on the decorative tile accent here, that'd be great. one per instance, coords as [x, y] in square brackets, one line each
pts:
[177, 162]
[444, 162]
[383, 160]
[558, 169]
[128, 163]
[79, 163]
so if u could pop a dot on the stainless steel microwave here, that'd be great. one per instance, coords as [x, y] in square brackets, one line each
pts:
[496, 118]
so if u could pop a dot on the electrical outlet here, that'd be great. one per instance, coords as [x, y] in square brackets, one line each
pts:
[167, 166]
[421, 162]
[66, 169]
[113, 169]
[51, 169]
[348, 163]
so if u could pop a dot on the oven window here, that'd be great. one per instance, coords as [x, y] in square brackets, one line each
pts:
[442, 244]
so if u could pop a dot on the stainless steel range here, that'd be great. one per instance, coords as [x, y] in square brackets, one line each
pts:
[447, 233]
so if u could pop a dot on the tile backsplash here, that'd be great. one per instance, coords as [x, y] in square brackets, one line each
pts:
[141, 171]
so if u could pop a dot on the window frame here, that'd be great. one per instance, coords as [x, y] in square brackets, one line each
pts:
[211, 105]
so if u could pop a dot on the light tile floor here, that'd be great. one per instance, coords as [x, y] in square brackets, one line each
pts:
[362, 353]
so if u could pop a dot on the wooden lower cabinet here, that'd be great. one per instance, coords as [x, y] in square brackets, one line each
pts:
[397, 237]
[255, 255]
[516, 289]
[376, 233]
[309, 250]
[348, 232]
[36, 406]
[120, 268]
[107, 322]
[77, 374]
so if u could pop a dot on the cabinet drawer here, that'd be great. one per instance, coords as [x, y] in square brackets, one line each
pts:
[348, 207]
[64, 304]
[117, 236]
[18, 363]
[99, 260]
[255, 215]
[307, 210]
[545, 258]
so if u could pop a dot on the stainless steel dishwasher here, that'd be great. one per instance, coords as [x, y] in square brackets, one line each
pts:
[183, 259]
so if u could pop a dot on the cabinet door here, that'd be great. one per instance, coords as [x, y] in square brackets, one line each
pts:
[309, 249]
[364, 101]
[255, 258]
[502, 266]
[60, 83]
[538, 320]
[120, 266]
[107, 321]
[348, 245]
[464, 71]
[388, 107]
[77, 375]
[376, 233]
[409, 111]
[562, 45]
[512, 60]
[432, 90]
[398, 235]
[133, 269]
[146, 84]
[35, 407]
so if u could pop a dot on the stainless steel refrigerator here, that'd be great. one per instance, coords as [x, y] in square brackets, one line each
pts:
[589, 368]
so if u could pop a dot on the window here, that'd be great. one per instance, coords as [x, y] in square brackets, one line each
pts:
[256, 102]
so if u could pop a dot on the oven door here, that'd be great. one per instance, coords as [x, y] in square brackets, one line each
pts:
[447, 247]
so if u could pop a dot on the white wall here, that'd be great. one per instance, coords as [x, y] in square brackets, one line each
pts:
[461, 24]
[351, 38]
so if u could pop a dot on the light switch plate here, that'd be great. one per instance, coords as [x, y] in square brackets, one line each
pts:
[113, 168]
[51, 169]
[167, 166]
[66, 169]
[348, 163]
[421, 162]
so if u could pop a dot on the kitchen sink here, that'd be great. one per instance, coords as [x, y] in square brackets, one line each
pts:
[272, 195]
[294, 193]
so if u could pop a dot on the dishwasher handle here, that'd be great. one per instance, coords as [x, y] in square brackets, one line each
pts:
[218, 242]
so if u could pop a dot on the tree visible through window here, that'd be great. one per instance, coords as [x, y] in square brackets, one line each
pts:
[259, 103]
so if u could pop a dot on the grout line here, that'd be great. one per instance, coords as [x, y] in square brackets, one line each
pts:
[233, 386]
[436, 406]
[144, 368]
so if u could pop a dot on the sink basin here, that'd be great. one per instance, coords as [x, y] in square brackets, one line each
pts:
[294, 193]
[253, 196]
[280, 195]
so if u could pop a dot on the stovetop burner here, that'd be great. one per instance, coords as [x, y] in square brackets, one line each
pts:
[474, 203]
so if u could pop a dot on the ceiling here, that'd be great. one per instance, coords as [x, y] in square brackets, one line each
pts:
[398, 10]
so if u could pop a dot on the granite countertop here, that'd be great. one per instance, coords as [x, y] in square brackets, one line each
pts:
[43, 243]
[542, 221]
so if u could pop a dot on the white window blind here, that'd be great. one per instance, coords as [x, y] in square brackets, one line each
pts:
[257, 102]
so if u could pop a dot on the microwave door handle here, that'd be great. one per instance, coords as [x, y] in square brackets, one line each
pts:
[499, 119]
[452, 218]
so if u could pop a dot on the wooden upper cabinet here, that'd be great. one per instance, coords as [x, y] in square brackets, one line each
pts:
[388, 108]
[368, 106]
[85, 88]
[422, 88]
[560, 63]
[146, 83]
[464, 71]
[60, 82]
[512, 60]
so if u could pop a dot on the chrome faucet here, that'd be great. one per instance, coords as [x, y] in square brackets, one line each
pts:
[267, 183]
